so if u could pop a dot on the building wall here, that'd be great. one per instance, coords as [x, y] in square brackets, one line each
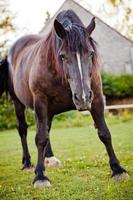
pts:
[114, 49]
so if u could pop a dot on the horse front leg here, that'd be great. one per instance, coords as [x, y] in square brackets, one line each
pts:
[50, 159]
[97, 112]
[41, 140]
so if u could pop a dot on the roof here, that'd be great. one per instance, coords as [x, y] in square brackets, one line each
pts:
[89, 13]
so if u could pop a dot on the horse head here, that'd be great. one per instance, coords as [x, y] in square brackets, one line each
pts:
[76, 55]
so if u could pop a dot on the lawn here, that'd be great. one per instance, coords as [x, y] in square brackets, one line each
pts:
[85, 174]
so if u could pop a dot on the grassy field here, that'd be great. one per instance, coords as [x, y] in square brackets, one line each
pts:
[85, 174]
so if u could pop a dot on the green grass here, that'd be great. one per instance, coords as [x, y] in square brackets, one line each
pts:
[85, 174]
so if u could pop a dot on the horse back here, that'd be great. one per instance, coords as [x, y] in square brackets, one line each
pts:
[20, 45]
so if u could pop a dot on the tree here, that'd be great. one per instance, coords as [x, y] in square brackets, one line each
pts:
[6, 26]
[47, 17]
[125, 8]
[117, 13]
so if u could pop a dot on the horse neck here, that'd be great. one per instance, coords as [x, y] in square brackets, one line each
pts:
[49, 51]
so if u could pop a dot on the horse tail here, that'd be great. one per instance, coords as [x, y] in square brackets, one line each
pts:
[3, 76]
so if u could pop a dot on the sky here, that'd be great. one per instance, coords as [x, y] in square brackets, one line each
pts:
[31, 14]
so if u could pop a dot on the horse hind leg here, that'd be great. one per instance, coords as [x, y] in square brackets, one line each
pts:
[22, 130]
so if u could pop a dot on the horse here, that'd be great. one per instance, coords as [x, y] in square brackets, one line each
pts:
[54, 74]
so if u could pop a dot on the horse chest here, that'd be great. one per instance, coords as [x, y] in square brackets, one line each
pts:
[58, 91]
[60, 101]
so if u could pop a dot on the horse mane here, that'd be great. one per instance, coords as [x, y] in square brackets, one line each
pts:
[77, 38]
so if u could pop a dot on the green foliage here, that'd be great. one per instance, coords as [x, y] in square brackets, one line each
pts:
[6, 26]
[125, 25]
[117, 86]
[7, 115]
[71, 119]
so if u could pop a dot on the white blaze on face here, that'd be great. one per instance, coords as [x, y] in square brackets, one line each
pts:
[81, 75]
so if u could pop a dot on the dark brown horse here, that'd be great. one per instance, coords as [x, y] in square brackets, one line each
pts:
[52, 75]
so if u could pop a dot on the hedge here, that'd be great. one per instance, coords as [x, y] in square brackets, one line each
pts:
[117, 86]
[113, 87]
[7, 114]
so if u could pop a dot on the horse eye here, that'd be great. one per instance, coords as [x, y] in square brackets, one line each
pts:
[91, 54]
[62, 56]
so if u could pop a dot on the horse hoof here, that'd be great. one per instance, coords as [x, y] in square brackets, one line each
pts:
[122, 176]
[42, 184]
[29, 169]
[52, 162]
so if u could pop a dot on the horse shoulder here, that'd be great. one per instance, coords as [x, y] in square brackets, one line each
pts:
[38, 78]
[96, 84]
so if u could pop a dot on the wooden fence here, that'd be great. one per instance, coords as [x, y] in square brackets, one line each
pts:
[114, 107]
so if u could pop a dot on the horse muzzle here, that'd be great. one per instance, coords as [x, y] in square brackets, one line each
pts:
[83, 102]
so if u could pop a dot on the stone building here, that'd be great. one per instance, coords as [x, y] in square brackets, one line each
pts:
[116, 51]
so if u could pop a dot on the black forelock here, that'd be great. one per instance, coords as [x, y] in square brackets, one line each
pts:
[76, 35]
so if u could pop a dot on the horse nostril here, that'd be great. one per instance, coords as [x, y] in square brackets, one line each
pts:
[91, 95]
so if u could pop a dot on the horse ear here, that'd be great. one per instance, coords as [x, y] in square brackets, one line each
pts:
[91, 26]
[59, 29]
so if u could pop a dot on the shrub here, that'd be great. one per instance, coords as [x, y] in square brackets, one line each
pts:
[7, 114]
[117, 86]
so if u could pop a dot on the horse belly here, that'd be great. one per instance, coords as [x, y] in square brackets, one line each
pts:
[22, 92]
[24, 97]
